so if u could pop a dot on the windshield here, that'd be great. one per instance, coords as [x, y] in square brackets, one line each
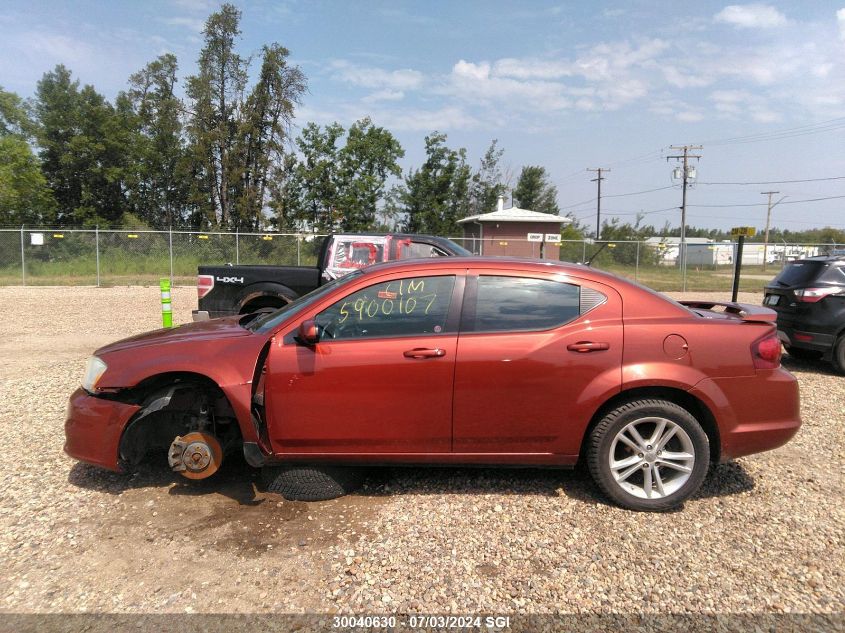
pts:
[272, 319]
[460, 251]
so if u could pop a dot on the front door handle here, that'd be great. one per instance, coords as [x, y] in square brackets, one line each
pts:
[582, 347]
[425, 352]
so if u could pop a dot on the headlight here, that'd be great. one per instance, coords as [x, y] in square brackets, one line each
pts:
[93, 371]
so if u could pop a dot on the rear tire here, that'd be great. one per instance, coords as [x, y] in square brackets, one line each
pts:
[312, 483]
[802, 354]
[838, 356]
[648, 455]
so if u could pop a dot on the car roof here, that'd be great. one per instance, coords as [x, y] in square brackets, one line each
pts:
[500, 263]
[650, 302]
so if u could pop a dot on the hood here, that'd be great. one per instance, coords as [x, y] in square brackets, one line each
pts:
[212, 330]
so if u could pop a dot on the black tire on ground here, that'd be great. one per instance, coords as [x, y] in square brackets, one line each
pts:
[838, 356]
[312, 483]
[801, 353]
[641, 412]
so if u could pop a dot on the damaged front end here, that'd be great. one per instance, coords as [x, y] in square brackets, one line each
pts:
[192, 422]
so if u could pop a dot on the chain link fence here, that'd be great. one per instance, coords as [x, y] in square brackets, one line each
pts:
[91, 257]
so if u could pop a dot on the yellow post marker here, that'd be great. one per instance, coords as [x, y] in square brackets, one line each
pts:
[166, 307]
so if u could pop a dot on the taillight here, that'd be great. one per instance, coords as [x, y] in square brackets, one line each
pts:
[811, 295]
[766, 352]
[205, 283]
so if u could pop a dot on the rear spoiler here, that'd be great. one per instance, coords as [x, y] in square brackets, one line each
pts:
[746, 311]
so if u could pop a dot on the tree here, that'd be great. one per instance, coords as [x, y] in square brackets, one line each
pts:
[534, 191]
[333, 188]
[14, 117]
[488, 183]
[156, 182]
[215, 92]
[237, 141]
[84, 147]
[368, 158]
[267, 115]
[24, 195]
[314, 186]
[436, 195]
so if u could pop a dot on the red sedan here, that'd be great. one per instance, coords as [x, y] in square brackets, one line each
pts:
[453, 361]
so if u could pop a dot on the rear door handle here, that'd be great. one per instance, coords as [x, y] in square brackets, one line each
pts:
[424, 352]
[583, 347]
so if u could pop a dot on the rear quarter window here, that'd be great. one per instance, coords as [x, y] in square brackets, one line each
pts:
[833, 275]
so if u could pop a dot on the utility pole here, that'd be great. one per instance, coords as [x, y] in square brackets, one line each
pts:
[598, 180]
[687, 174]
[768, 221]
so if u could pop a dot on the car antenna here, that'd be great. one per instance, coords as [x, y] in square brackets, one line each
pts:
[589, 262]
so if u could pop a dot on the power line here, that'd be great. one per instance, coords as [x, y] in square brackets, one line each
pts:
[812, 128]
[763, 204]
[574, 207]
[636, 193]
[745, 219]
[771, 182]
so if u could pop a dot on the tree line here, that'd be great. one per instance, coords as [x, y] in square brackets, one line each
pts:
[222, 156]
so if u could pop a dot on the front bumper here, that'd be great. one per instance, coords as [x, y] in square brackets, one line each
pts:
[753, 413]
[93, 428]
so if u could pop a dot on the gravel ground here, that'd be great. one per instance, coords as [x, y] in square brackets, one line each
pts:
[765, 534]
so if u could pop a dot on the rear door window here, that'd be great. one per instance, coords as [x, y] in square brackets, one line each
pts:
[505, 304]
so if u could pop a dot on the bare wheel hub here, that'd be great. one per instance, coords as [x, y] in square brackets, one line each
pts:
[196, 455]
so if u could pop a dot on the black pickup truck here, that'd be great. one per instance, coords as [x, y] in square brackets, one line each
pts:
[227, 290]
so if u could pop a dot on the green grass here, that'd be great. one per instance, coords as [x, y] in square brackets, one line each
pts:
[120, 268]
[669, 279]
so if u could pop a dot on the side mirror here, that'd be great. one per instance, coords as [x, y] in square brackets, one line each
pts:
[308, 333]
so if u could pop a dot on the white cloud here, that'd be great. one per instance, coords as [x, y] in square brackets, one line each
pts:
[192, 24]
[384, 95]
[684, 78]
[476, 83]
[840, 20]
[473, 72]
[751, 16]
[445, 118]
[532, 68]
[69, 51]
[197, 5]
[794, 70]
[689, 116]
[377, 78]
[740, 103]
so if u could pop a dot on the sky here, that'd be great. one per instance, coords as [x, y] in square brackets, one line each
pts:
[569, 86]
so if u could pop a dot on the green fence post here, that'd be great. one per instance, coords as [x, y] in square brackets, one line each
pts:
[23, 261]
[97, 250]
[166, 307]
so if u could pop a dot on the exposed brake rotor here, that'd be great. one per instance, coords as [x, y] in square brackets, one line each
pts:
[196, 455]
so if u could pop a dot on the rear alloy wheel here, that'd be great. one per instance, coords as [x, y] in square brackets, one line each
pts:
[802, 354]
[838, 357]
[648, 455]
[312, 483]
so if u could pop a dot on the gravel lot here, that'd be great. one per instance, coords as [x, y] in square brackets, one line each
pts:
[766, 534]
